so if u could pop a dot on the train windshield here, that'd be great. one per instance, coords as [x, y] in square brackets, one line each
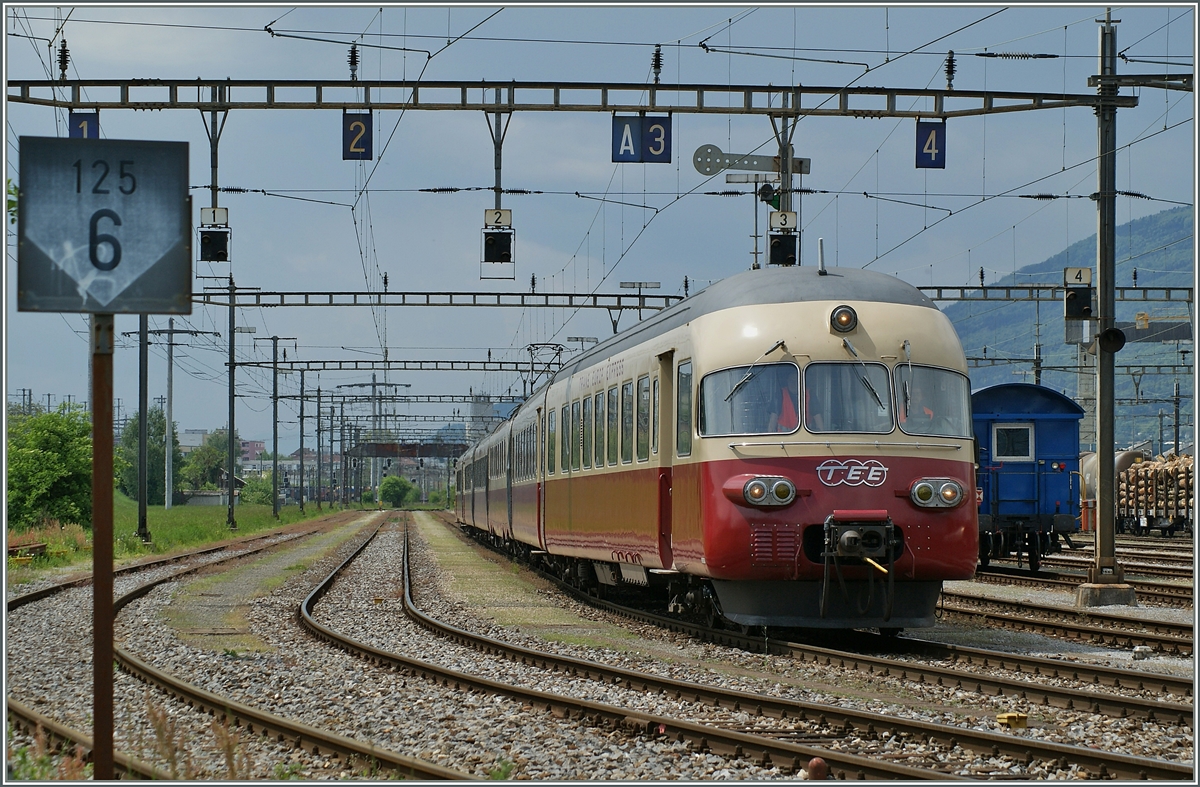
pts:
[760, 399]
[933, 401]
[847, 397]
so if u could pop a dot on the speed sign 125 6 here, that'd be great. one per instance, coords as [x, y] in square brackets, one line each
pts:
[104, 226]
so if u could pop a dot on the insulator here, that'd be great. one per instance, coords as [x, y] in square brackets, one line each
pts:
[64, 57]
[385, 282]
[1042, 196]
[981, 276]
[352, 59]
[656, 61]
[1137, 194]
[1135, 277]
[951, 67]
[442, 190]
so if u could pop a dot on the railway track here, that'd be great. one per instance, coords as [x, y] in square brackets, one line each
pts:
[1176, 571]
[1098, 627]
[1158, 592]
[843, 723]
[252, 720]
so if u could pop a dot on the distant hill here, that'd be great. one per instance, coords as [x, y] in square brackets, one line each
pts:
[1159, 247]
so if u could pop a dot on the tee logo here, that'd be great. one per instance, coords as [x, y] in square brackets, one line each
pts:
[852, 472]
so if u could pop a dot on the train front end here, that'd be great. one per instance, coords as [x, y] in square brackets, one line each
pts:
[833, 473]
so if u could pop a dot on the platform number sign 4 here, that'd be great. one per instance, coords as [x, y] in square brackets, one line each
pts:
[931, 145]
[356, 137]
[103, 226]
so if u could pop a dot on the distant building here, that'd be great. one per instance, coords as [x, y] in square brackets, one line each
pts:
[191, 439]
[251, 449]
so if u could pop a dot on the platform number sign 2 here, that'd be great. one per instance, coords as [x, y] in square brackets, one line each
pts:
[931, 145]
[356, 137]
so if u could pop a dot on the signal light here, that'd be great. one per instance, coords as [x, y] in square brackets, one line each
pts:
[497, 247]
[782, 250]
[214, 245]
[1077, 303]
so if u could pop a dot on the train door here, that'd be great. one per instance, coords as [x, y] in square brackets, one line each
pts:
[540, 472]
[662, 404]
[1016, 484]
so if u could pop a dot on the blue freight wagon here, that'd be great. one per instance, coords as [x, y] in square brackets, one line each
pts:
[1027, 438]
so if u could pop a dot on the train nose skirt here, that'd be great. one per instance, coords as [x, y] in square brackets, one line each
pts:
[797, 603]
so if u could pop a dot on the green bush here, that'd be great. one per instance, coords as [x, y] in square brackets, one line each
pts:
[396, 491]
[49, 468]
[257, 492]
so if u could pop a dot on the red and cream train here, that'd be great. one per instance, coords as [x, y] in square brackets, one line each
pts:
[788, 447]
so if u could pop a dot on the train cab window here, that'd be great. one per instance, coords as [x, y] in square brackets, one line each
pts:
[643, 418]
[1012, 442]
[565, 453]
[759, 399]
[551, 435]
[600, 429]
[613, 418]
[627, 423]
[587, 433]
[847, 397]
[683, 410]
[932, 401]
[575, 436]
[654, 418]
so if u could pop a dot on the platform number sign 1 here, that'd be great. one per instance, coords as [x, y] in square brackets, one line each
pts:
[104, 226]
[356, 137]
[931, 145]
[641, 139]
[84, 125]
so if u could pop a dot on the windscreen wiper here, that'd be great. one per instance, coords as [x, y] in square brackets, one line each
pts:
[750, 372]
[907, 357]
[863, 375]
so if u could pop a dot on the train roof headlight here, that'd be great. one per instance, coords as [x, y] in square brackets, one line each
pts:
[923, 492]
[755, 491]
[951, 493]
[844, 319]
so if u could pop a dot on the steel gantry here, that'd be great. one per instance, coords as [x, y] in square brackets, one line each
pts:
[224, 95]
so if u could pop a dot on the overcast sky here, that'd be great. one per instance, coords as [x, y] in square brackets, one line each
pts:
[586, 230]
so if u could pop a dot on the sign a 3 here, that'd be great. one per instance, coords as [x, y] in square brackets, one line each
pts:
[641, 139]
[103, 226]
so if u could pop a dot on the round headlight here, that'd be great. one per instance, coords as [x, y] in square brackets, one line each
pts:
[923, 492]
[783, 491]
[951, 492]
[755, 491]
[844, 319]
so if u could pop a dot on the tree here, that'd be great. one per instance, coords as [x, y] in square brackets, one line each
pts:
[205, 466]
[395, 491]
[50, 468]
[127, 463]
[257, 491]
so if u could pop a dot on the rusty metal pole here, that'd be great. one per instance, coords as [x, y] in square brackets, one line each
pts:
[102, 546]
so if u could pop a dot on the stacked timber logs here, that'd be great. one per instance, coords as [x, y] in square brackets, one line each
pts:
[1158, 488]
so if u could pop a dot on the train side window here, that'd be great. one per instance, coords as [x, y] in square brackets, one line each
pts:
[1012, 442]
[564, 455]
[683, 410]
[654, 419]
[613, 432]
[643, 418]
[551, 440]
[587, 433]
[627, 422]
[600, 429]
[575, 437]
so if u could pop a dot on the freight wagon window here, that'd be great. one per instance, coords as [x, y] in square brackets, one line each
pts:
[600, 429]
[613, 432]
[551, 437]
[932, 401]
[1012, 442]
[587, 433]
[627, 423]
[757, 399]
[565, 454]
[575, 435]
[643, 419]
[847, 397]
[654, 419]
[683, 411]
